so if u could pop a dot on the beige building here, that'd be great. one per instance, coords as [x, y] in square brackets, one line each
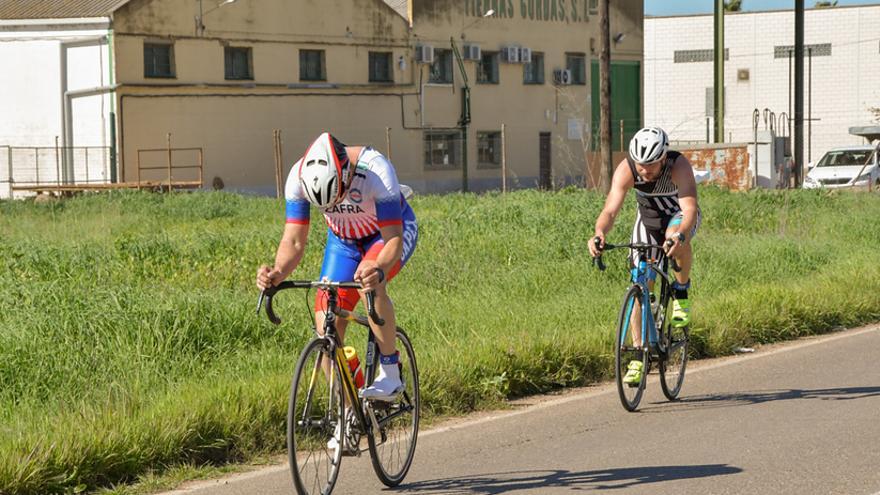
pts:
[222, 77]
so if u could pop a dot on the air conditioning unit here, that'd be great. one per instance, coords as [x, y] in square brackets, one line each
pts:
[562, 77]
[510, 54]
[425, 54]
[472, 52]
[525, 55]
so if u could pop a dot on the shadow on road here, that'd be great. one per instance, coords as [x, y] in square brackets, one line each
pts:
[603, 479]
[761, 396]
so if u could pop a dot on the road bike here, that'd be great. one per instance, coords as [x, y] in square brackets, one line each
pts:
[645, 314]
[327, 417]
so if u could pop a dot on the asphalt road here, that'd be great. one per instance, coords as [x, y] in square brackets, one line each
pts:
[798, 418]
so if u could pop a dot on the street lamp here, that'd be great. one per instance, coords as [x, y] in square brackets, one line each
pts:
[200, 26]
[489, 13]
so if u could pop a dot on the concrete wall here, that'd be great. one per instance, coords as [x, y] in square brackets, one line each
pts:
[233, 120]
[844, 84]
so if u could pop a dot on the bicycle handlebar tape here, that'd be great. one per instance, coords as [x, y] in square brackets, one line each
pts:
[598, 259]
[371, 309]
[269, 312]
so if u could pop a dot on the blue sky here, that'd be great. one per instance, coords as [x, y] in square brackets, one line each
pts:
[673, 7]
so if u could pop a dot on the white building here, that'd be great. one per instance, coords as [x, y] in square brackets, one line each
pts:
[58, 91]
[844, 80]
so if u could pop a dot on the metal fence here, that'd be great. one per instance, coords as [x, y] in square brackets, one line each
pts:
[34, 166]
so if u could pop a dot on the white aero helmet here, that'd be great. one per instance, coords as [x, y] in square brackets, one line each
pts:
[648, 145]
[325, 172]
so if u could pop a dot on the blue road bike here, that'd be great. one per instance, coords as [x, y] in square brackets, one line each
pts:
[645, 335]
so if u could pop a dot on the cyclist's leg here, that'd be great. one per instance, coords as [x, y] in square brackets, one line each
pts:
[684, 257]
[388, 380]
[341, 259]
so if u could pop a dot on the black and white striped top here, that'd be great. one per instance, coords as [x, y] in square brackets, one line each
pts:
[658, 199]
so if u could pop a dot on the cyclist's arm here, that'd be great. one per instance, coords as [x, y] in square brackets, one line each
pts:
[620, 184]
[683, 177]
[392, 235]
[291, 249]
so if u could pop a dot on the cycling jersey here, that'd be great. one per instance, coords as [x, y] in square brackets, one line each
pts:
[658, 199]
[372, 201]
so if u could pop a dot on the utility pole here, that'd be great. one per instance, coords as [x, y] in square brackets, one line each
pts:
[798, 92]
[719, 71]
[606, 170]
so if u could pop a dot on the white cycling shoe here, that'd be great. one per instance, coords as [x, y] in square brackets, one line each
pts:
[387, 385]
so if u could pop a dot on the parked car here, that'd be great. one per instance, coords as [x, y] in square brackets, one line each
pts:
[840, 166]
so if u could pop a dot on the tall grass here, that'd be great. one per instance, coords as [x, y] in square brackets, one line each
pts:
[128, 340]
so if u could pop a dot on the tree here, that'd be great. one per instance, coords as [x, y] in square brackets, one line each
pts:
[606, 167]
[733, 6]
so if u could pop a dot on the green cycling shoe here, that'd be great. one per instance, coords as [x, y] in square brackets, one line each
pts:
[633, 375]
[681, 313]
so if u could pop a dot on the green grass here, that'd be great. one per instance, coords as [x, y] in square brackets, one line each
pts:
[129, 344]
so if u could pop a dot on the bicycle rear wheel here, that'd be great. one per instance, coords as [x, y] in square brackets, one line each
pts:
[315, 410]
[393, 446]
[672, 368]
[626, 352]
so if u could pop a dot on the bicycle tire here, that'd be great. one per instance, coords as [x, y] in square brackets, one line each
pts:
[316, 405]
[385, 445]
[625, 352]
[673, 366]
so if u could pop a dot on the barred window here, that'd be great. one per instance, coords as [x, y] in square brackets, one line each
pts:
[441, 69]
[816, 50]
[687, 56]
[489, 149]
[158, 60]
[311, 65]
[238, 63]
[533, 72]
[487, 69]
[576, 63]
[380, 67]
[442, 149]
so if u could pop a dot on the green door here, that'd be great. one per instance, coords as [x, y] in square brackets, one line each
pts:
[626, 101]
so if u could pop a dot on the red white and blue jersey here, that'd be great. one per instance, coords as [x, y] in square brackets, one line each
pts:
[372, 201]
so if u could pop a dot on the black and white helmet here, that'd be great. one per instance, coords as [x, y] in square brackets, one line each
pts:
[648, 145]
[324, 171]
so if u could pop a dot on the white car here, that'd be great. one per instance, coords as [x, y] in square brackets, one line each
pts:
[840, 166]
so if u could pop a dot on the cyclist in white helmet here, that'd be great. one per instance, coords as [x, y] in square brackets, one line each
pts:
[666, 193]
[372, 234]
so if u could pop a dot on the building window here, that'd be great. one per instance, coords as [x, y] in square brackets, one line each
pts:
[442, 149]
[489, 149]
[311, 65]
[687, 56]
[816, 50]
[441, 69]
[576, 63]
[533, 72]
[380, 67]
[239, 64]
[594, 7]
[487, 69]
[158, 60]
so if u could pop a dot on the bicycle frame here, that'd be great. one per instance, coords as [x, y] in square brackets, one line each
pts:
[648, 325]
[365, 415]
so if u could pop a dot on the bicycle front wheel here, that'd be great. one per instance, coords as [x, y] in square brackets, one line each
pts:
[672, 368]
[315, 420]
[393, 446]
[627, 354]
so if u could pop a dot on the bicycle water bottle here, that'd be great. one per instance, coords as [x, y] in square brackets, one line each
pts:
[354, 365]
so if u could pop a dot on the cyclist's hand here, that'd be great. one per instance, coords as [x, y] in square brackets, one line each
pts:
[369, 274]
[267, 277]
[594, 250]
[670, 247]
